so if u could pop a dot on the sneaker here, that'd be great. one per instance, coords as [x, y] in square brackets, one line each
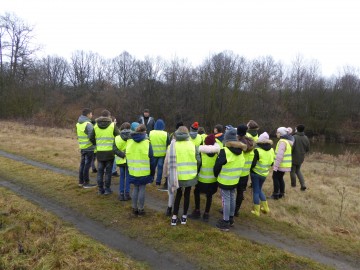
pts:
[141, 212]
[195, 214]
[168, 211]
[88, 185]
[127, 196]
[121, 197]
[94, 170]
[274, 197]
[135, 211]
[303, 188]
[231, 221]
[205, 217]
[183, 220]
[108, 191]
[223, 225]
[80, 185]
[174, 221]
[101, 192]
[281, 195]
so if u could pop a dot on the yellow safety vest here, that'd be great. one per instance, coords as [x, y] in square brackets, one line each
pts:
[186, 162]
[255, 138]
[158, 140]
[287, 159]
[231, 171]
[203, 137]
[206, 174]
[137, 157]
[121, 145]
[266, 158]
[219, 143]
[83, 139]
[248, 156]
[197, 141]
[104, 137]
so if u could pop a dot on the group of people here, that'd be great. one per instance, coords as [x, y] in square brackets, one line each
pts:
[189, 158]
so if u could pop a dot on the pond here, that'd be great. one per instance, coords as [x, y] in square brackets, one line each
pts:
[334, 148]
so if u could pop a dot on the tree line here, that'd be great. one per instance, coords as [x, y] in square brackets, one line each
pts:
[226, 88]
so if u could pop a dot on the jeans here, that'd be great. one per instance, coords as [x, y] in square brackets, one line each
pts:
[93, 167]
[85, 164]
[159, 163]
[104, 167]
[138, 197]
[113, 170]
[279, 183]
[257, 183]
[178, 199]
[295, 171]
[124, 186]
[240, 189]
[228, 201]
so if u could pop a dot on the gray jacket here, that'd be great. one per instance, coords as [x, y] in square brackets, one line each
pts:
[88, 130]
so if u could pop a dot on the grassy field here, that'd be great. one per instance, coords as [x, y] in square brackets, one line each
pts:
[326, 214]
[31, 238]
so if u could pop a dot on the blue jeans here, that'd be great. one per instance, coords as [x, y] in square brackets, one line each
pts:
[104, 167]
[113, 170]
[228, 201]
[159, 163]
[138, 197]
[85, 164]
[257, 183]
[124, 186]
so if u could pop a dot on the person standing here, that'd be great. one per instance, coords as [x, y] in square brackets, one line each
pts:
[140, 160]
[300, 148]
[263, 160]
[194, 136]
[283, 161]
[84, 127]
[227, 169]
[159, 140]
[103, 136]
[147, 120]
[253, 129]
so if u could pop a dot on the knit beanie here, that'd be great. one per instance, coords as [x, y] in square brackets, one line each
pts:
[230, 135]
[134, 125]
[284, 131]
[241, 130]
[179, 124]
[228, 127]
[252, 125]
[210, 139]
[194, 127]
[263, 137]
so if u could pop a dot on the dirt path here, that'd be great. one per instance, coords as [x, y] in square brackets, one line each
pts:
[244, 230]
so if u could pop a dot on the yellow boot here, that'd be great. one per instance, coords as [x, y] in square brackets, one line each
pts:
[256, 210]
[264, 207]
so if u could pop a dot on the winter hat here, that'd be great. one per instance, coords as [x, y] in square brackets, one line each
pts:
[210, 139]
[284, 131]
[300, 128]
[179, 124]
[252, 125]
[230, 135]
[263, 137]
[194, 127]
[241, 130]
[134, 125]
[228, 127]
[159, 124]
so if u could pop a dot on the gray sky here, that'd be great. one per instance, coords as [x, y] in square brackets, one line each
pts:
[324, 30]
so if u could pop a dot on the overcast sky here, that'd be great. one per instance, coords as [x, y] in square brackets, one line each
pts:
[324, 30]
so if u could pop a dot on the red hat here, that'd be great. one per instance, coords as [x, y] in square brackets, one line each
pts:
[210, 139]
[195, 125]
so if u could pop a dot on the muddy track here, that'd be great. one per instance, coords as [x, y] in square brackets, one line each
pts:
[244, 230]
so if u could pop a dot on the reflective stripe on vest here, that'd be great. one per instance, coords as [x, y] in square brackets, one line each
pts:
[121, 145]
[231, 171]
[287, 159]
[83, 139]
[249, 156]
[104, 137]
[186, 163]
[206, 174]
[197, 141]
[137, 157]
[266, 158]
[158, 140]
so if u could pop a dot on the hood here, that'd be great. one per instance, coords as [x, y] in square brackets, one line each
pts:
[249, 142]
[236, 147]
[159, 125]
[103, 122]
[253, 132]
[83, 119]
[125, 134]
[265, 145]
[193, 134]
[180, 136]
[219, 136]
[138, 136]
[288, 137]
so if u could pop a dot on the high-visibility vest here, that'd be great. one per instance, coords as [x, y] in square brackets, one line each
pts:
[137, 157]
[287, 159]
[203, 137]
[255, 138]
[186, 162]
[231, 171]
[121, 145]
[104, 137]
[206, 174]
[197, 141]
[83, 139]
[266, 158]
[219, 143]
[158, 140]
[248, 156]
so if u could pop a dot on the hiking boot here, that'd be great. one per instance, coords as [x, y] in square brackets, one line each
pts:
[108, 191]
[231, 221]
[135, 212]
[122, 197]
[127, 196]
[174, 221]
[141, 212]
[205, 217]
[303, 188]
[168, 211]
[88, 185]
[223, 225]
[195, 214]
[183, 220]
